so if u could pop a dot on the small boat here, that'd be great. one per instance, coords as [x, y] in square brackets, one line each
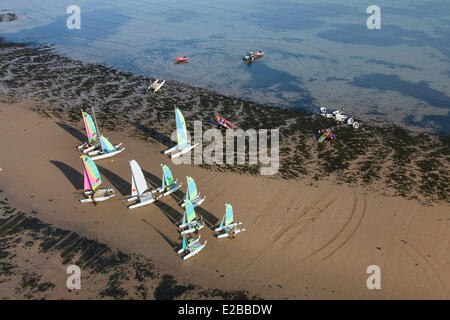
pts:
[192, 193]
[155, 86]
[228, 227]
[183, 145]
[251, 56]
[181, 59]
[92, 180]
[224, 123]
[193, 246]
[139, 189]
[190, 221]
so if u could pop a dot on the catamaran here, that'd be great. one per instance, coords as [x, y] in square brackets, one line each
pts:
[107, 150]
[192, 193]
[228, 226]
[340, 117]
[92, 180]
[183, 145]
[155, 86]
[168, 185]
[139, 189]
[92, 133]
[193, 245]
[190, 223]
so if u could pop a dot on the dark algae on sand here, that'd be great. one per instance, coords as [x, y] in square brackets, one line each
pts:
[123, 276]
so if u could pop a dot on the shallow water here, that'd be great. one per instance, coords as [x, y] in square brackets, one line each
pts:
[315, 53]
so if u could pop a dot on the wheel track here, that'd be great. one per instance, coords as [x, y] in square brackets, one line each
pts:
[311, 219]
[350, 235]
[285, 229]
[428, 269]
[323, 247]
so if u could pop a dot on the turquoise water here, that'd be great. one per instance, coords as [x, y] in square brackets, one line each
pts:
[316, 53]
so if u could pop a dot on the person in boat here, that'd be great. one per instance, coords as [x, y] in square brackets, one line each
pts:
[196, 229]
[231, 233]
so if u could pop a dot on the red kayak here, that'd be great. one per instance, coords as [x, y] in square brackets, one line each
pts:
[224, 123]
[181, 58]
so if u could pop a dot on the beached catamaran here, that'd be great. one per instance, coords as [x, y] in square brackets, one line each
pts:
[183, 145]
[190, 223]
[168, 185]
[193, 245]
[228, 227]
[92, 181]
[139, 189]
[107, 150]
[192, 193]
[92, 133]
[155, 86]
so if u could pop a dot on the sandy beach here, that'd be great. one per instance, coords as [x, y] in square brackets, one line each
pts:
[302, 241]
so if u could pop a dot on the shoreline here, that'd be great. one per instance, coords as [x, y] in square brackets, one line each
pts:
[381, 156]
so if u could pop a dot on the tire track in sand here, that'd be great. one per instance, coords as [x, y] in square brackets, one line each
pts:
[285, 229]
[310, 220]
[323, 247]
[425, 266]
[351, 233]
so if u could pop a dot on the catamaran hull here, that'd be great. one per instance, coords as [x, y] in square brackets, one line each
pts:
[224, 235]
[190, 230]
[98, 199]
[171, 150]
[193, 253]
[107, 155]
[93, 153]
[161, 190]
[195, 203]
[159, 87]
[142, 203]
[87, 150]
[181, 152]
[231, 225]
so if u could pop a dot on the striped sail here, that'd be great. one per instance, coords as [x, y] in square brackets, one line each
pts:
[92, 177]
[91, 130]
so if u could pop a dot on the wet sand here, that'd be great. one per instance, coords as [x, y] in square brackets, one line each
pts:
[302, 241]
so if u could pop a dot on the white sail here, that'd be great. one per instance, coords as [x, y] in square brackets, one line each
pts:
[139, 185]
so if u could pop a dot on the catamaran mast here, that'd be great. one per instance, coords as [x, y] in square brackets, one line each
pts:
[95, 119]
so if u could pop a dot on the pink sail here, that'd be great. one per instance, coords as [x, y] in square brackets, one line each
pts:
[92, 177]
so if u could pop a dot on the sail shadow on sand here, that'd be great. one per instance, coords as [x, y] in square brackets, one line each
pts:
[120, 184]
[73, 131]
[71, 174]
[171, 243]
[173, 215]
[154, 134]
[154, 181]
[208, 217]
